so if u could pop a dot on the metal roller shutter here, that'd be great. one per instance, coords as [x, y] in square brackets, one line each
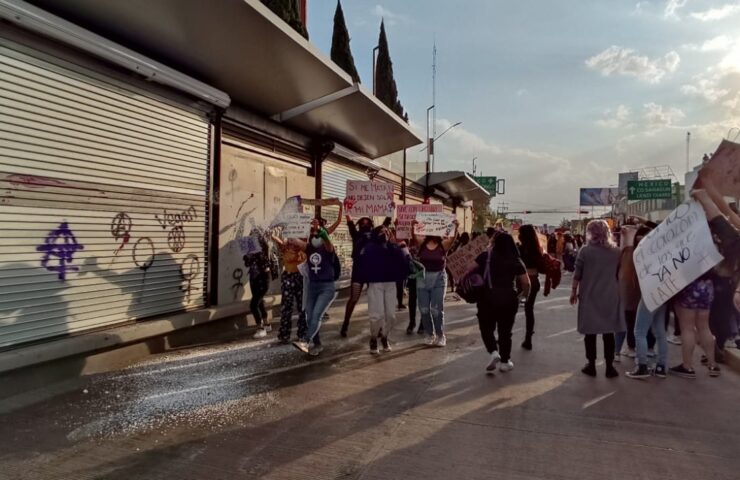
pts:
[103, 200]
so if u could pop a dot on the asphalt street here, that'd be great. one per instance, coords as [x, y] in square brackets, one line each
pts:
[255, 409]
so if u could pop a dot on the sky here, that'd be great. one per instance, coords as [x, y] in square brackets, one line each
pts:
[555, 95]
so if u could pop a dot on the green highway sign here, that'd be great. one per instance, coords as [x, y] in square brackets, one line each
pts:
[649, 189]
[489, 183]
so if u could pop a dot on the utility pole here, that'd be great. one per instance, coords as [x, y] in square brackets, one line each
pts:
[688, 141]
[474, 159]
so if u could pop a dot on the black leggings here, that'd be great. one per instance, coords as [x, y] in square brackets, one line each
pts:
[497, 312]
[411, 284]
[590, 342]
[400, 285]
[529, 305]
[354, 296]
[259, 286]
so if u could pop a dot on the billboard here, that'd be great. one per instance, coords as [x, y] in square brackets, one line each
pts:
[598, 197]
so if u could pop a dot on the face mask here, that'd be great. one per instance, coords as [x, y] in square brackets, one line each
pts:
[316, 242]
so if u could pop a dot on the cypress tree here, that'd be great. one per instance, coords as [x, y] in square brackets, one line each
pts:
[288, 11]
[341, 53]
[385, 84]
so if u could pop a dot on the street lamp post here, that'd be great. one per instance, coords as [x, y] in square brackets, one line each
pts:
[430, 142]
[375, 50]
[474, 159]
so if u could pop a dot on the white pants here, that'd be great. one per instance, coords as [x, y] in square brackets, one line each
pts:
[381, 307]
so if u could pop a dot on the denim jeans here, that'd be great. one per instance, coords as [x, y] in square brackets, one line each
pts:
[645, 320]
[430, 292]
[320, 295]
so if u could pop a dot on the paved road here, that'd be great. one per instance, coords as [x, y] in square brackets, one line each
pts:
[248, 409]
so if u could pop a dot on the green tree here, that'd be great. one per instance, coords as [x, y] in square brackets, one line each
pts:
[385, 84]
[341, 53]
[288, 11]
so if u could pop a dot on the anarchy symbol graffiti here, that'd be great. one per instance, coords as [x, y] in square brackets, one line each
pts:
[144, 253]
[176, 239]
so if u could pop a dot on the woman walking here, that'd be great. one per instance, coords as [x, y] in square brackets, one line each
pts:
[323, 271]
[430, 290]
[596, 292]
[258, 265]
[291, 289]
[499, 300]
[531, 254]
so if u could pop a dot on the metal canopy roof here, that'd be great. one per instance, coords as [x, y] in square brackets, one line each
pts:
[242, 48]
[458, 185]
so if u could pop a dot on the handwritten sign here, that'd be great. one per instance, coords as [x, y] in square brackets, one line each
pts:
[435, 224]
[369, 199]
[249, 245]
[406, 214]
[463, 260]
[674, 254]
[297, 225]
[292, 205]
[723, 169]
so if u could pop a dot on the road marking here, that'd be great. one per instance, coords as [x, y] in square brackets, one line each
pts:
[564, 332]
[597, 400]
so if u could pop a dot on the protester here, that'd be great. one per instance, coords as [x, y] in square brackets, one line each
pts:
[431, 288]
[552, 245]
[291, 289]
[258, 268]
[323, 271]
[531, 254]
[596, 292]
[502, 269]
[410, 252]
[361, 234]
[381, 264]
[569, 252]
[559, 246]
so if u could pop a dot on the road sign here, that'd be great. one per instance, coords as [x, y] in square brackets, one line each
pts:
[488, 183]
[649, 189]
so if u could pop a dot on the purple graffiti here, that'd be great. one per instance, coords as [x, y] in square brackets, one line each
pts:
[60, 246]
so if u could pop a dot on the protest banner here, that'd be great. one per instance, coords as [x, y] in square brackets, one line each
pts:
[435, 224]
[722, 170]
[674, 254]
[297, 225]
[463, 260]
[291, 205]
[406, 214]
[249, 245]
[369, 199]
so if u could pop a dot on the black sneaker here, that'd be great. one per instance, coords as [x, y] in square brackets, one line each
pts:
[589, 369]
[683, 372]
[640, 372]
[704, 360]
[410, 330]
[714, 371]
[611, 372]
[374, 346]
[343, 333]
[420, 331]
[659, 371]
[527, 343]
[386, 344]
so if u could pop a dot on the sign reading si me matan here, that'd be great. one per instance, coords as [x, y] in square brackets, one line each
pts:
[435, 224]
[489, 183]
[649, 189]
[463, 260]
[674, 254]
[406, 214]
[369, 199]
[297, 225]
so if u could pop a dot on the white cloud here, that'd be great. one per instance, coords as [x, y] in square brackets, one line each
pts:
[672, 7]
[615, 119]
[718, 43]
[718, 84]
[625, 61]
[658, 116]
[720, 13]
[521, 92]
[390, 18]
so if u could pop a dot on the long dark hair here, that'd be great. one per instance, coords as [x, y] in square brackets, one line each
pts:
[504, 247]
[430, 238]
[529, 239]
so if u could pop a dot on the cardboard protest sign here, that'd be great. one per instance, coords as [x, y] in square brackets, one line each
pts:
[291, 205]
[674, 254]
[406, 214]
[435, 224]
[297, 225]
[723, 169]
[249, 245]
[463, 260]
[369, 199]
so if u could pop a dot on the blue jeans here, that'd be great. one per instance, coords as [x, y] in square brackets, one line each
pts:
[319, 297]
[430, 292]
[643, 324]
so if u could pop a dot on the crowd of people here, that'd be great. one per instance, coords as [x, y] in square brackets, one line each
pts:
[605, 288]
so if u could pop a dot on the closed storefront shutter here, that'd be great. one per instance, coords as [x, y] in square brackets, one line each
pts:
[334, 184]
[103, 199]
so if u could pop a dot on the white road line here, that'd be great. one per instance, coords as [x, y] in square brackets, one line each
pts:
[597, 400]
[564, 332]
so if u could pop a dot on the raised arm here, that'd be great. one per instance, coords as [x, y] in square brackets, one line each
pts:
[280, 242]
[327, 239]
[352, 228]
[339, 217]
[712, 195]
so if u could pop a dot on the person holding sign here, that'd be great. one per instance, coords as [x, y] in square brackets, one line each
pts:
[323, 271]
[596, 291]
[258, 268]
[430, 290]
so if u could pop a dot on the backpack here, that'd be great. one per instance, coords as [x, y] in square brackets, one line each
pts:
[472, 285]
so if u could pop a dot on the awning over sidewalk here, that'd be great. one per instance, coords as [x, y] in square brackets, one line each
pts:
[458, 185]
[242, 48]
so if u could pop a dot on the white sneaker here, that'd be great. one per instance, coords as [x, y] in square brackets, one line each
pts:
[506, 366]
[261, 333]
[631, 353]
[441, 341]
[430, 340]
[268, 328]
[495, 358]
[651, 353]
[617, 358]
[301, 345]
[675, 340]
